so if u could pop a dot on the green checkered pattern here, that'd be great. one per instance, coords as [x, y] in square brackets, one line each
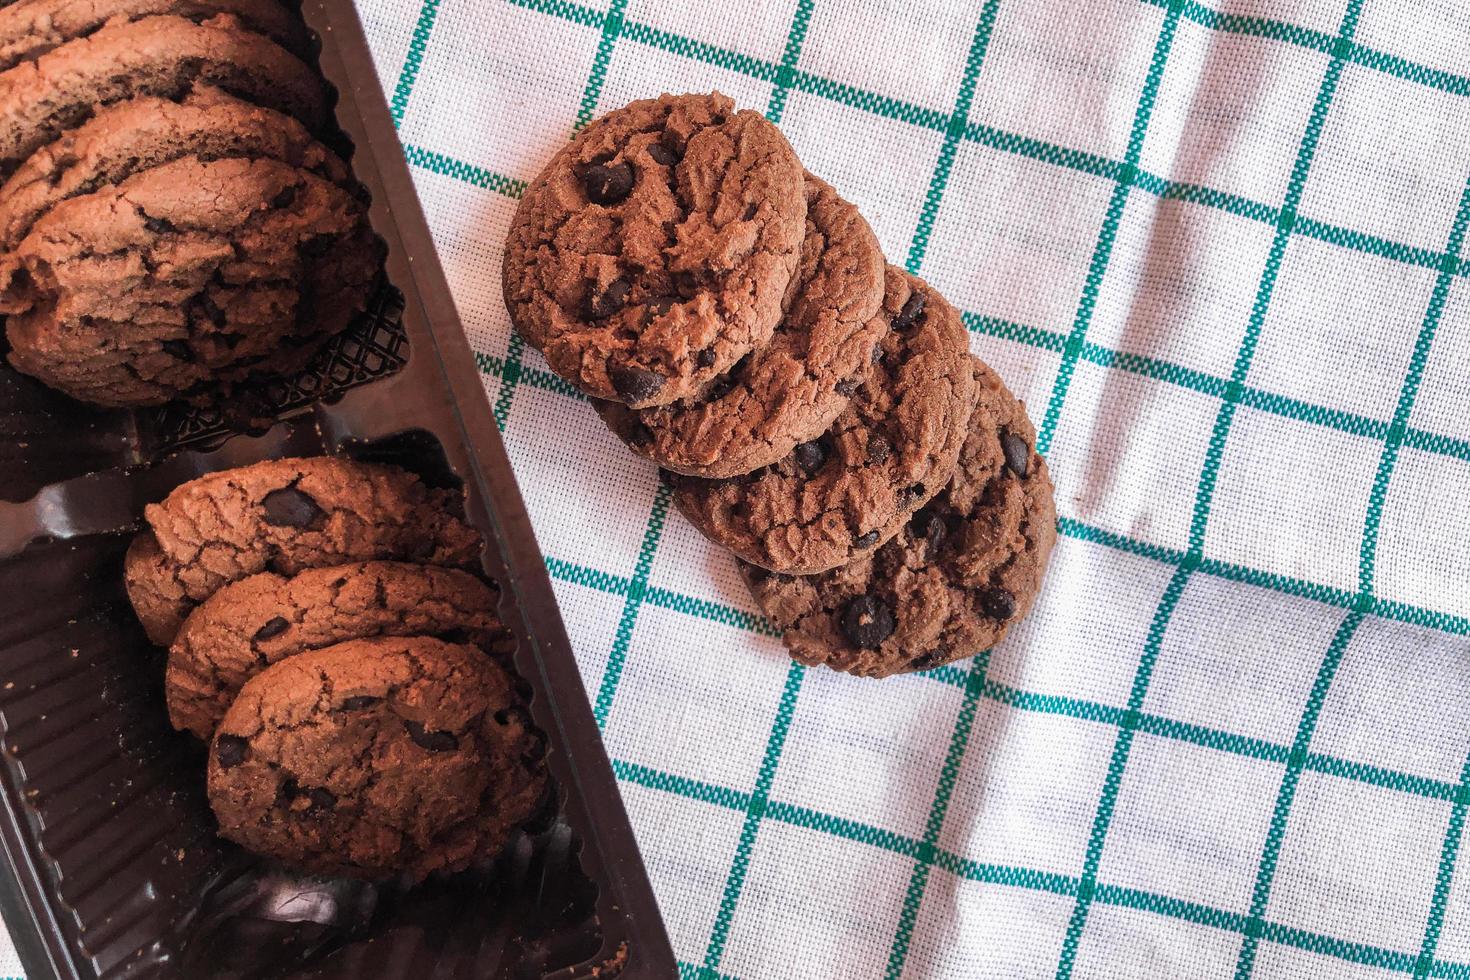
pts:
[1230, 742]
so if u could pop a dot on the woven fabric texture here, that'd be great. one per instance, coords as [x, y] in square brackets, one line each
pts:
[1217, 247]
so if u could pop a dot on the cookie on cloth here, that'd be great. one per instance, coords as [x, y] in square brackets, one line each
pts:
[960, 574]
[847, 491]
[793, 388]
[653, 251]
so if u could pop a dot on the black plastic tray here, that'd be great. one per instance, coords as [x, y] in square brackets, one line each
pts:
[111, 865]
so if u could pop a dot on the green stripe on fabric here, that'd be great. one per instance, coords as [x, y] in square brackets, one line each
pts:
[800, 816]
[589, 577]
[958, 120]
[413, 61]
[1117, 764]
[612, 26]
[1019, 332]
[1113, 217]
[735, 882]
[693, 789]
[700, 51]
[1286, 795]
[1044, 152]
[795, 37]
[1418, 361]
[1448, 854]
[712, 611]
[1030, 879]
[1368, 244]
[438, 163]
[564, 10]
[612, 674]
[880, 105]
[1314, 40]
[949, 772]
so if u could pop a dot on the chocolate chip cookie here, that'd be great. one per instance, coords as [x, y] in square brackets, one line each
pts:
[377, 759]
[283, 516]
[30, 28]
[248, 625]
[654, 250]
[846, 492]
[124, 139]
[161, 56]
[186, 276]
[966, 566]
[792, 389]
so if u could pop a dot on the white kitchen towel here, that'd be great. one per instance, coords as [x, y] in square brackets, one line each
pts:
[1217, 249]
[1216, 246]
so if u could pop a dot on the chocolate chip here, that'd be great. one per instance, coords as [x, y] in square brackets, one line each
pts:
[879, 449]
[289, 507]
[912, 308]
[998, 604]
[600, 305]
[929, 527]
[433, 741]
[608, 184]
[321, 799]
[721, 386]
[867, 622]
[229, 750]
[848, 386]
[867, 540]
[285, 198]
[159, 226]
[927, 661]
[750, 210]
[179, 349]
[634, 384]
[640, 435]
[705, 358]
[662, 155]
[275, 627]
[914, 492]
[1018, 454]
[687, 283]
[212, 310]
[810, 456]
[317, 245]
[359, 701]
[655, 309]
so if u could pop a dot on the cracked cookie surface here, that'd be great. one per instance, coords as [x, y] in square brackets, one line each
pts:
[148, 131]
[851, 489]
[965, 568]
[376, 759]
[162, 56]
[654, 250]
[30, 28]
[248, 625]
[189, 275]
[793, 388]
[283, 516]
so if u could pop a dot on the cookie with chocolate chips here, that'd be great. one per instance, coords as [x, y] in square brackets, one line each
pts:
[387, 758]
[186, 278]
[136, 135]
[248, 625]
[162, 56]
[283, 516]
[846, 492]
[654, 250]
[30, 28]
[965, 568]
[792, 389]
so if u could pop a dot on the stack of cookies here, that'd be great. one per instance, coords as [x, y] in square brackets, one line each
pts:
[170, 223]
[816, 410]
[328, 637]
